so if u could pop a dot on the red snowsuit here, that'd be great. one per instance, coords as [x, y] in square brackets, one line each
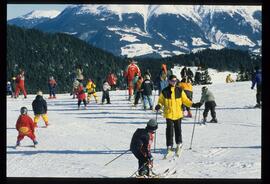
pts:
[20, 85]
[80, 93]
[25, 127]
[112, 79]
[130, 73]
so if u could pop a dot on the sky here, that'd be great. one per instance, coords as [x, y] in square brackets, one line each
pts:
[15, 10]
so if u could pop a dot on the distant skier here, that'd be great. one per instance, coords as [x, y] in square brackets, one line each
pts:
[75, 85]
[163, 78]
[131, 70]
[80, 92]
[147, 88]
[91, 90]
[257, 79]
[183, 72]
[190, 75]
[198, 76]
[112, 80]
[20, 84]
[39, 106]
[25, 127]
[105, 92]
[138, 92]
[140, 146]
[172, 98]
[52, 85]
[79, 75]
[9, 89]
[229, 78]
[187, 87]
[210, 104]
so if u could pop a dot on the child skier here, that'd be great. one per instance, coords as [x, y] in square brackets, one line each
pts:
[210, 104]
[52, 84]
[140, 146]
[39, 106]
[138, 92]
[146, 88]
[20, 84]
[91, 90]
[81, 95]
[9, 89]
[25, 127]
[105, 92]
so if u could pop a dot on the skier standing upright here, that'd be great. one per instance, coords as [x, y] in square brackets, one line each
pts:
[147, 88]
[257, 79]
[39, 106]
[20, 84]
[80, 92]
[91, 90]
[172, 98]
[52, 85]
[105, 92]
[140, 146]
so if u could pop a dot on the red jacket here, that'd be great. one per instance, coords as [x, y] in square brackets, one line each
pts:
[20, 80]
[25, 124]
[81, 93]
[112, 79]
[131, 70]
[52, 82]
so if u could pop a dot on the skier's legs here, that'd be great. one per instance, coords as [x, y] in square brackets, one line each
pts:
[31, 135]
[45, 118]
[20, 137]
[144, 101]
[169, 132]
[178, 131]
[213, 112]
[53, 92]
[142, 161]
[137, 97]
[79, 102]
[150, 101]
[84, 102]
[206, 110]
[36, 118]
[103, 97]
[23, 90]
[17, 90]
[259, 94]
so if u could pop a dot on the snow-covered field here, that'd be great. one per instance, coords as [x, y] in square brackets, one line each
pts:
[78, 143]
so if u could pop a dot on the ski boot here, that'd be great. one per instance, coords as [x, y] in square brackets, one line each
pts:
[35, 143]
[169, 152]
[214, 120]
[17, 144]
[178, 149]
[46, 124]
[257, 106]
[204, 121]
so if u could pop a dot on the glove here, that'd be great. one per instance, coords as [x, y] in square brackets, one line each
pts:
[157, 107]
[197, 105]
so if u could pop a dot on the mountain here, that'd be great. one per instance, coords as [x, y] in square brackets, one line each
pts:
[34, 18]
[160, 30]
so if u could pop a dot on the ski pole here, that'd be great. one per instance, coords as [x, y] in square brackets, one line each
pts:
[139, 169]
[155, 135]
[116, 157]
[199, 120]
[193, 128]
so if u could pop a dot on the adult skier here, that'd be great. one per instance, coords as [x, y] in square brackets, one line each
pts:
[172, 98]
[140, 146]
[52, 85]
[132, 69]
[257, 79]
[39, 106]
[163, 78]
[20, 84]
[210, 104]
[25, 127]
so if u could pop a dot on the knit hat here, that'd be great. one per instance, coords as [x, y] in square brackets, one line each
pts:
[39, 93]
[152, 125]
[23, 110]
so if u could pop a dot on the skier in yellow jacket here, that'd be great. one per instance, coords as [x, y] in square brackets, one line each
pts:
[172, 97]
[91, 90]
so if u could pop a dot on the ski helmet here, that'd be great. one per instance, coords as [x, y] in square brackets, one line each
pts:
[152, 125]
[24, 110]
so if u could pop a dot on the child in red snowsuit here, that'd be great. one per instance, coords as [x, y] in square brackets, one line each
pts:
[25, 127]
[20, 85]
[81, 95]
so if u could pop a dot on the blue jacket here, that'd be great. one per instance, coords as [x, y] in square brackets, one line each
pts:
[257, 79]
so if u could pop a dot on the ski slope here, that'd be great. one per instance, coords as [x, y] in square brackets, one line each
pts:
[78, 143]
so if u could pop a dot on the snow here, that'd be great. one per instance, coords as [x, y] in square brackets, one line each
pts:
[237, 39]
[180, 43]
[136, 49]
[133, 30]
[41, 14]
[78, 143]
[198, 42]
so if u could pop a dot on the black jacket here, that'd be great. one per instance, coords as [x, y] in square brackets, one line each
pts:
[39, 105]
[139, 142]
[147, 87]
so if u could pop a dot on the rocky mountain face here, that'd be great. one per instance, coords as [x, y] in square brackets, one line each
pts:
[156, 30]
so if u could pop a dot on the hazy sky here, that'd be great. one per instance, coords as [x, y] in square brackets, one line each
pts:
[15, 10]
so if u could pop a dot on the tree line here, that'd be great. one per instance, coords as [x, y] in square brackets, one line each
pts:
[43, 54]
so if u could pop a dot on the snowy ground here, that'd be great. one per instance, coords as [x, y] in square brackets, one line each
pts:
[78, 143]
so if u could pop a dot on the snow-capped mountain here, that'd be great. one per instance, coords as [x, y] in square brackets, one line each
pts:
[34, 17]
[160, 30]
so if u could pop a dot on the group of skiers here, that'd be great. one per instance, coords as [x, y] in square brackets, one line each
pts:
[175, 97]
